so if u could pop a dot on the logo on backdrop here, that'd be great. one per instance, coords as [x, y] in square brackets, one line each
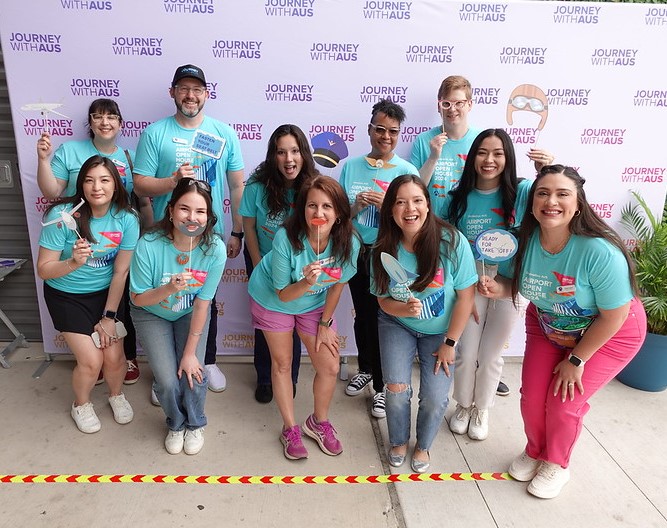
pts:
[235, 275]
[429, 53]
[614, 57]
[238, 341]
[95, 87]
[133, 129]
[602, 136]
[485, 96]
[576, 14]
[568, 96]
[289, 8]
[34, 126]
[289, 92]
[334, 51]
[656, 16]
[410, 132]
[643, 174]
[87, 5]
[248, 131]
[603, 210]
[35, 42]
[345, 132]
[137, 46]
[204, 7]
[470, 12]
[527, 98]
[522, 55]
[237, 49]
[387, 10]
[212, 88]
[650, 98]
[42, 204]
[372, 93]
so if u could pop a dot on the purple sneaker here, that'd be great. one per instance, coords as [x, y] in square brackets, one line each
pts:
[324, 434]
[291, 439]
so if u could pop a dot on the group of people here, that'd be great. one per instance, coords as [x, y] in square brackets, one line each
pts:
[400, 233]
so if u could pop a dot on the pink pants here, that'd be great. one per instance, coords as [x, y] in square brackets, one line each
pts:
[552, 427]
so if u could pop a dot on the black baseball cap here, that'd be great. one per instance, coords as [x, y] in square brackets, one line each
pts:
[188, 70]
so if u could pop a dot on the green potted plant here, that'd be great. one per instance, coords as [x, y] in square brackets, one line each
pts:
[648, 370]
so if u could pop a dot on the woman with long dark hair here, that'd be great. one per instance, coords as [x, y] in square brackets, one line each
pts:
[84, 277]
[298, 285]
[583, 325]
[424, 315]
[268, 199]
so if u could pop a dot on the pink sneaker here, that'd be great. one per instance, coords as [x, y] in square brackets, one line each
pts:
[324, 434]
[291, 439]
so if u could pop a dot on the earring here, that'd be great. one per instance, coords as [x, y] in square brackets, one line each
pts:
[171, 218]
[577, 213]
[338, 220]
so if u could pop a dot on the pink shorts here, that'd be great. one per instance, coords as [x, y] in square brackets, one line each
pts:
[271, 321]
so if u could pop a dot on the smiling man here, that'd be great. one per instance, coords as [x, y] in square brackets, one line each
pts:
[190, 144]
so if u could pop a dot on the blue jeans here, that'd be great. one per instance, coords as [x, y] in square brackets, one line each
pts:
[398, 345]
[163, 342]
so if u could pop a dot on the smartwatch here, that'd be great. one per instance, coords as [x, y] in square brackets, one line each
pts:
[325, 323]
[450, 342]
[237, 235]
[109, 314]
[575, 360]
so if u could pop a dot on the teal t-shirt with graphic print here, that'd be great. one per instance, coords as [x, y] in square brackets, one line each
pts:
[115, 231]
[283, 266]
[165, 145]
[363, 174]
[454, 273]
[255, 205]
[71, 155]
[156, 259]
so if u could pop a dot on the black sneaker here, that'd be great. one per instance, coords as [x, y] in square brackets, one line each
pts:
[264, 393]
[502, 390]
[357, 383]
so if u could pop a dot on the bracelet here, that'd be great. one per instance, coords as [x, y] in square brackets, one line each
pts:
[68, 265]
[196, 333]
[237, 235]
[107, 333]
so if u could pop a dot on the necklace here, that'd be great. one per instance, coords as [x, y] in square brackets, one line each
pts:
[558, 249]
[182, 258]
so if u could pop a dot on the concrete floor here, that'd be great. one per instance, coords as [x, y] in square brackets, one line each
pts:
[619, 468]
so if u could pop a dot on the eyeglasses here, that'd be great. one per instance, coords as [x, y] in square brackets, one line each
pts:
[185, 90]
[202, 184]
[446, 105]
[521, 101]
[381, 131]
[98, 118]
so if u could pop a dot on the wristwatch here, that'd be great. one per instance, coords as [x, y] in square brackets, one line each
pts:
[109, 314]
[450, 342]
[237, 235]
[575, 360]
[325, 323]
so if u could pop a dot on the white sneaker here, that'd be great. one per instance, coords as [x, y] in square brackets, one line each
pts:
[173, 443]
[459, 421]
[85, 418]
[478, 429]
[216, 379]
[378, 407]
[549, 480]
[154, 399]
[523, 468]
[194, 441]
[122, 410]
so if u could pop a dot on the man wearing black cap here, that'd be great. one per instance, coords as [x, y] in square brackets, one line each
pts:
[192, 145]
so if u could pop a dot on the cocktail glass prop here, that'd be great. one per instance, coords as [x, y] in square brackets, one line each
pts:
[318, 222]
[397, 273]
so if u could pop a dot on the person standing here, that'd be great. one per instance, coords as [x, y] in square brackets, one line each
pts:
[166, 154]
[365, 180]
[268, 199]
[583, 325]
[424, 314]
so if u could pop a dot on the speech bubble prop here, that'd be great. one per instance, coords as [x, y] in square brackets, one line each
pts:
[208, 144]
[496, 245]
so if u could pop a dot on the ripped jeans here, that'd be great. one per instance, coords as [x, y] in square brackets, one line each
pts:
[398, 347]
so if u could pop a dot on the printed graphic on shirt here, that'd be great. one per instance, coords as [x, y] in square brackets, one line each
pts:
[433, 304]
[184, 300]
[109, 250]
[329, 276]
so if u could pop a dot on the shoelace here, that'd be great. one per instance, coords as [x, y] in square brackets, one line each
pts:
[328, 430]
[131, 367]
[476, 418]
[548, 471]
[461, 414]
[293, 436]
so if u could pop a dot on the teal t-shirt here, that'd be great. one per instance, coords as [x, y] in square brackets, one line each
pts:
[115, 231]
[485, 212]
[569, 288]
[360, 175]
[254, 205]
[449, 167]
[156, 259]
[165, 145]
[283, 266]
[438, 298]
[71, 155]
